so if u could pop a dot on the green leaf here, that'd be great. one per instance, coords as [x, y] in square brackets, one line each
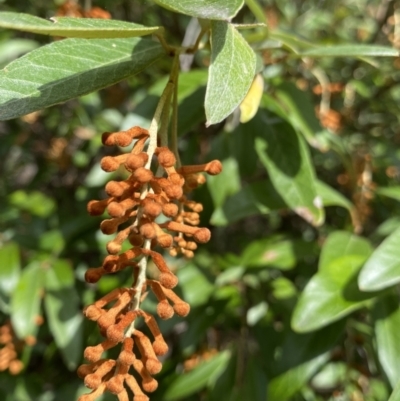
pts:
[382, 269]
[194, 284]
[207, 9]
[342, 243]
[267, 252]
[395, 396]
[207, 372]
[34, 202]
[386, 315]
[331, 197]
[332, 292]
[63, 313]
[231, 73]
[226, 183]
[74, 27]
[256, 198]
[25, 300]
[301, 356]
[284, 386]
[13, 48]
[10, 267]
[286, 158]
[299, 111]
[390, 192]
[253, 385]
[351, 50]
[69, 68]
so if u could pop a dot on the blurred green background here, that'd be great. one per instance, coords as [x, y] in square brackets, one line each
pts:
[237, 343]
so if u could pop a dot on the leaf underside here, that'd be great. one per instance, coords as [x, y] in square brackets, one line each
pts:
[232, 70]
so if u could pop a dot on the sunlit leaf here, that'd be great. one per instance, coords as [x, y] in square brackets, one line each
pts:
[26, 299]
[286, 158]
[69, 68]
[351, 50]
[387, 322]
[10, 267]
[390, 192]
[74, 27]
[382, 269]
[63, 312]
[188, 383]
[232, 70]
[207, 9]
[332, 292]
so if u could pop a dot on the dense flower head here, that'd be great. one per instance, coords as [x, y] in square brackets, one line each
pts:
[148, 212]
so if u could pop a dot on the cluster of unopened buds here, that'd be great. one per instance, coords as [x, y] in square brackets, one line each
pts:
[10, 345]
[149, 211]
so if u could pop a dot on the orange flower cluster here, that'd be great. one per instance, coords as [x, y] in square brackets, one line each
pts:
[71, 8]
[155, 213]
[9, 350]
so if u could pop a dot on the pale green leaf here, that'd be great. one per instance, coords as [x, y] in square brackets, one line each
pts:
[63, 312]
[332, 292]
[390, 192]
[342, 243]
[26, 299]
[10, 267]
[231, 73]
[69, 68]
[207, 9]
[74, 27]
[382, 269]
[395, 396]
[286, 157]
[13, 48]
[331, 197]
[387, 322]
[205, 373]
[351, 50]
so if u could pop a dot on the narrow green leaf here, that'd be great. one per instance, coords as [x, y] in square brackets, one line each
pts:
[69, 68]
[299, 111]
[253, 386]
[284, 386]
[390, 192]
[231, 73]
[331, 197]
[63, 313]
[302, 355]
[351, 50]
[386, 315]
[74, 27]
[207, 9]
[382, 269]
[188, 383]
[286, 158]
[25, 300]
[10, 267]
[332, 292]
[13, 48]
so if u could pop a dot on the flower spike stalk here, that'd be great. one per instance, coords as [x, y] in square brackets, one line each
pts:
[136, 203]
